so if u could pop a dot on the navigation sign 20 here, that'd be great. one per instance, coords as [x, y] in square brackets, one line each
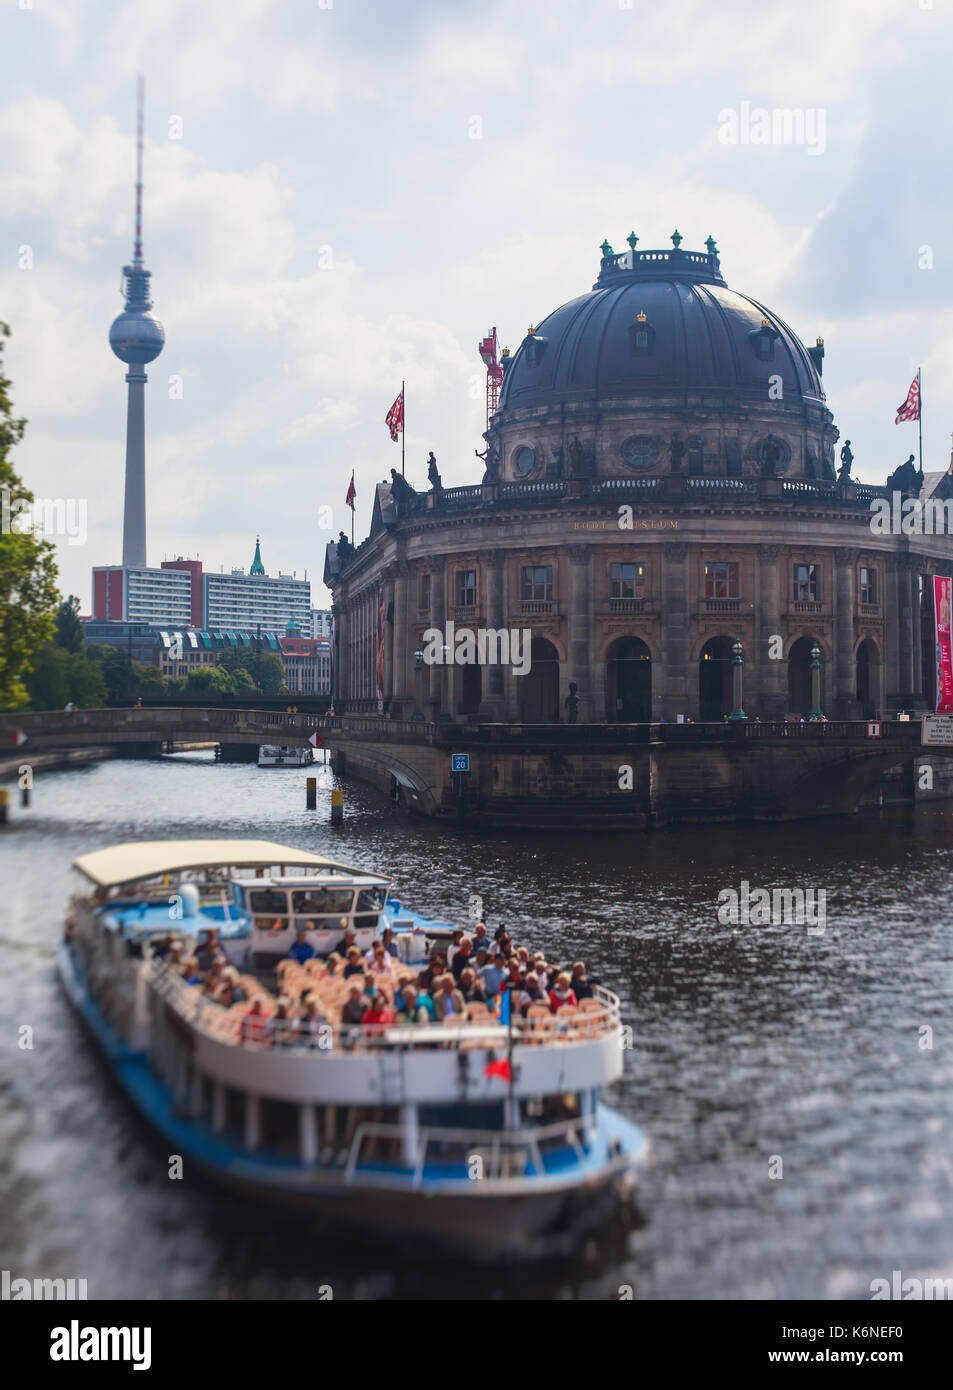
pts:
[459, 762]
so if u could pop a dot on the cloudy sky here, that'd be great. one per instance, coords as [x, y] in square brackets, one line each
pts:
[344, 193]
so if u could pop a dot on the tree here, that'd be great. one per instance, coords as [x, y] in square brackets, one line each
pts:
[56, 676]
[210, 680]
[244, 685]
[27, 567]
[69, 629]
[116, 666]
[265, 669]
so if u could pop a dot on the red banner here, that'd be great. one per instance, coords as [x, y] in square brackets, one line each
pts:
[944, 655]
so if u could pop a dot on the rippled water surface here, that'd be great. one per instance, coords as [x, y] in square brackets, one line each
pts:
[750, 1043]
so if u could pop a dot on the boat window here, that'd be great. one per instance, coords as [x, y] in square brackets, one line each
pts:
[238, 895]
[370, 900]
[270, 923]
[268, 900]
[322, 900]
[366, 921]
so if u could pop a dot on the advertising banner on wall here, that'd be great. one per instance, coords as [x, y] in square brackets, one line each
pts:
[944, 656]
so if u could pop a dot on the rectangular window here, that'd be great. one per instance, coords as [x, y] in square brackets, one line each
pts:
[466, 588]
[868, 585]
[721, 579]
[807, 583]
[423, 595]
[536, 583]
[626, 581]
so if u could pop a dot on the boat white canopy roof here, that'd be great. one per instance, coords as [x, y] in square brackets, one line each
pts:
[122, 864]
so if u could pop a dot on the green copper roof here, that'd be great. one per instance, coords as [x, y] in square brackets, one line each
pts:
[256, 566]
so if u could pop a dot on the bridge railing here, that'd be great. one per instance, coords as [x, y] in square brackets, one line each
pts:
[155, 723]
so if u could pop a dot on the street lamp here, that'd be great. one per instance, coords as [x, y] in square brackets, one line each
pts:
[418, 667]
[816, 711]
[737, 676]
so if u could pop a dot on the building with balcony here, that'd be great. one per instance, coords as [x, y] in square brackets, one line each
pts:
[660, 484]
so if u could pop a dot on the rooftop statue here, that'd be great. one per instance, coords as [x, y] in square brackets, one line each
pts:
[846, 459]
[770, 456]
[905, 479]
[433, 473]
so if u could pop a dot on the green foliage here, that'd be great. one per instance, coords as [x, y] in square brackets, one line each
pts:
[212, 680]
[27, 567]
[69, 630]
[266, 673]
[125, 678]
[57, 676]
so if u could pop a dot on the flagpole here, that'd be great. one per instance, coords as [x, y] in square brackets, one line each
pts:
[352, 508]
[920, 419]
[403, 426]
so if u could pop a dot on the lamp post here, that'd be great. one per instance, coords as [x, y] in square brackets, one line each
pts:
[816, 711]
[737, 677]
[418, 667]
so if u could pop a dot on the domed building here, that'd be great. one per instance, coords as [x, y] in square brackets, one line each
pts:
[659, 513]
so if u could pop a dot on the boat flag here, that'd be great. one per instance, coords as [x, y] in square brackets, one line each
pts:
[394, 420]
[501, 1069]
[910, 409]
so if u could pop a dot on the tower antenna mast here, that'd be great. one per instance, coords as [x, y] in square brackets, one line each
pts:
[140, 121]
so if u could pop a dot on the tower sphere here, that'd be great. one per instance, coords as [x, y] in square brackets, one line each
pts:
[136, 336]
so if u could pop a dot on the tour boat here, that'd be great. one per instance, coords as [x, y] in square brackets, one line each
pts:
[485, 1136]
[284, 755]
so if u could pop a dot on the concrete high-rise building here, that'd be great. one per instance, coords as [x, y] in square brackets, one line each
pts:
[124, 593]
[320, 622]
[245, 600]
[136, 337]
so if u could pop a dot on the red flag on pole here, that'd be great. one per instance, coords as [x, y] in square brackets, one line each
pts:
[910, 410]
[394, 419]
[351, 493]
[500, 1069]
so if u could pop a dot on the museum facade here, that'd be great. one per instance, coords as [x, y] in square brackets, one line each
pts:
[660, 505]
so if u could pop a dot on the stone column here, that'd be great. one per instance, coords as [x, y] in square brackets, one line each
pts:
[768, 693]
[905, 624]
[843, 686]
[401, 647]
[438, 619]
[387, 634]
[916, 651]
[338, 655]
[581, 618]
[493, 706]
[891, 633]
[673, 681]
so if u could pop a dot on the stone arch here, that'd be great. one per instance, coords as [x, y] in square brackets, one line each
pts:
[867, 669]
[539, 688]
[799, 674]
[629, 681]
[714, 678]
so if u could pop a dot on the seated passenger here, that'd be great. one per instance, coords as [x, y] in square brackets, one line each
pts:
[463, 957]
[481, 938]
[561, 995]
[354, 966]
[411, 1010]
[281, 1025]
[334, 963]
[448, 1000]
[254, 1023]
[471, 988]
[302, 949]
[390, 944]
[232, 992]
[342, 947]
[381, 965]
[213, 976]
[454, 946]
[209, 949]
[356, 1007]
[435, 968]
[531, 993]
[379, 1014]
[581, 982]
[313, 1028]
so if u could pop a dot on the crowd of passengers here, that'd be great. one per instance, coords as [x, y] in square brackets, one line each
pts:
[472, 970]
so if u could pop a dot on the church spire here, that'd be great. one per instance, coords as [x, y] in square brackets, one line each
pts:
[256, 566]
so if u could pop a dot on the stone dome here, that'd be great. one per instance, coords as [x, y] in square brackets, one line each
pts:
[662, 341]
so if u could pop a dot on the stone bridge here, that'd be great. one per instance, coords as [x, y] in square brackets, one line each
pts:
[154, 728]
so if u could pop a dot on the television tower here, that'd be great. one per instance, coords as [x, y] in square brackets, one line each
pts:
[136, 337]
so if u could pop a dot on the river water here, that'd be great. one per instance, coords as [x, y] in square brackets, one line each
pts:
[751, 1044]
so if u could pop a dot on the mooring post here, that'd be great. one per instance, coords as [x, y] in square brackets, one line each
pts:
[311, 793]
[4, 804]
[337, 807]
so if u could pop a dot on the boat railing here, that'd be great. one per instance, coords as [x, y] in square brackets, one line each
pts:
[477, 1034]
[490, 1153]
